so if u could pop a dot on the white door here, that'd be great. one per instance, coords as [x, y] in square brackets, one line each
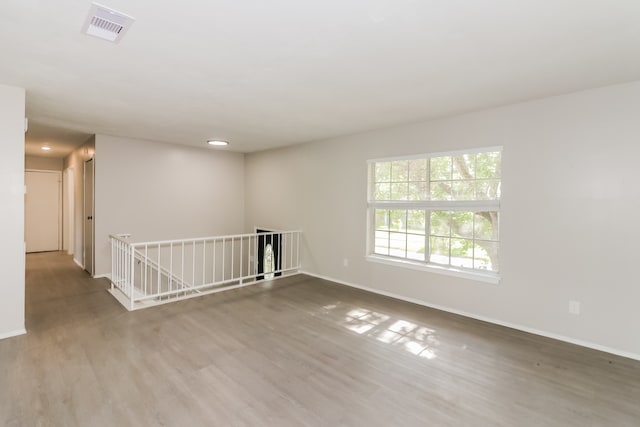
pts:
[88, 216]
[42, 211]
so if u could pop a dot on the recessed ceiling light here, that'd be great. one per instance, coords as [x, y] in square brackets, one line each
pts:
[217, 142]
[45, 148]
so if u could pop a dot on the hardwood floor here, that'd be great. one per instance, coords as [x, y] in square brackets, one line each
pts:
[298, 351]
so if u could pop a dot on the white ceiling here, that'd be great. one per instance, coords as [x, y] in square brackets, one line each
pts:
[270, 73]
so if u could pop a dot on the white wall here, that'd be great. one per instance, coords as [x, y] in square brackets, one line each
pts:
[75, 161]
[569, 227]
[159, 191]
[12, 258]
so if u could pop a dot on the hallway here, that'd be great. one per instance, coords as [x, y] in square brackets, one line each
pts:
[47, 374]
[58, 292]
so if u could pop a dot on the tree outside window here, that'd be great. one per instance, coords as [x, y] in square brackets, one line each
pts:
[441, 209]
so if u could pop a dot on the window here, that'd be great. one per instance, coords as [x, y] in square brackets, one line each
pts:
[440, 209]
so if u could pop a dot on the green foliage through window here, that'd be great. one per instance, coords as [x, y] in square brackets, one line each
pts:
[442, 209]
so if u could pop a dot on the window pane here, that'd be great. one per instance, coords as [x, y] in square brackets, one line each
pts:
[417, 191]
[418, 170]
[464, 166]
[399, 191]
[486, 256]
[383, 172]
[440, 190]
[488, 165]
[440, 168]
[458, 238]
[440, 223]
[488, 189]
[398, 220]
[382, 219]
[439, 250]
[381, 243]
[400, 171]
[382, 192]
[462, 224]
[462, 190]
[486, 225]
[415, 247]
[416, 222]
[462, 253]
[398, 244]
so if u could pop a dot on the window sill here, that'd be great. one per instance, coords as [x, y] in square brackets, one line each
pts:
[492, 278]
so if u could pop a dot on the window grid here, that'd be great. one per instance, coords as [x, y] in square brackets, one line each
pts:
[474, 239]
[394, 201]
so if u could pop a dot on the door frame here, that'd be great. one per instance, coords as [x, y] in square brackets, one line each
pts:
[275, 240]
[59, 175]
[89, 268]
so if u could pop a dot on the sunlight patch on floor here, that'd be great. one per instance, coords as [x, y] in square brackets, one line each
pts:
[411, 337]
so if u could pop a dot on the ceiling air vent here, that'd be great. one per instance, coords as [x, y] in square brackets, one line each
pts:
[106, 23]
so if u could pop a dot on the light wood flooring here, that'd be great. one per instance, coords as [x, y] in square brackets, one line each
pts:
[297, 351]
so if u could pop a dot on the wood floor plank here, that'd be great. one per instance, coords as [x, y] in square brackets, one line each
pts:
[294, 352]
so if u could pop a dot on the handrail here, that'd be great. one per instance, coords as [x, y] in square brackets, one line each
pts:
[198, 239]
[121, 237]
[140, 256]
[155, 272]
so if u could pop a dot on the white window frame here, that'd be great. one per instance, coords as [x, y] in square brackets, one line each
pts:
[427, 205]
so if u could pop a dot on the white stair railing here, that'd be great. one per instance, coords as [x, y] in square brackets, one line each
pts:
[150, 273]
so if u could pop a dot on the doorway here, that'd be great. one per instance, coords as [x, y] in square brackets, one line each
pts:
[43, 213]
[269, 254]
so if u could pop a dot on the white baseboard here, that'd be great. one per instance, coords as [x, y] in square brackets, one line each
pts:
[100, 276]
[13, 333]
[78, 263]
[546, 334]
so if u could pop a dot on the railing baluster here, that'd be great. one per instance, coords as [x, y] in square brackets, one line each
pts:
[298, 250]
[137, 285]
[132, 284]
[159, 264]
[213, 270]
[249, 256]
[204, 262]
[146, 268]
[182, 268]
[193, 258]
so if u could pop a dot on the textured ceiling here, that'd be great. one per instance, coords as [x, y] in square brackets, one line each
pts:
[264, 74]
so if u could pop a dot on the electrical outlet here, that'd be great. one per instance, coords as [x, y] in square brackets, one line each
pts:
[574, 307]
[345, 262]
